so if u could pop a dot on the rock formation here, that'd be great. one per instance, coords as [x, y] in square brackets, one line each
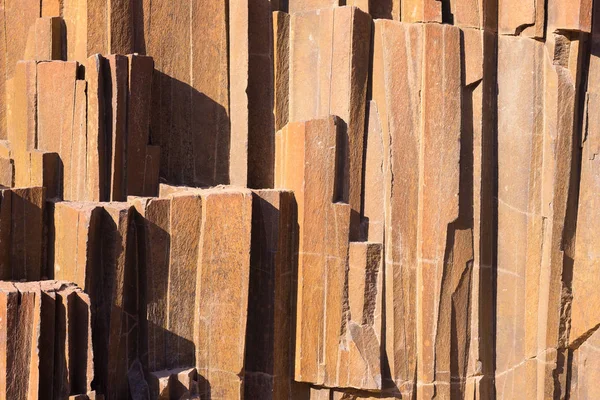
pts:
[299, 199]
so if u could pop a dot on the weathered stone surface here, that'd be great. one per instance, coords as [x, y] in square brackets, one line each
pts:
[421, 11]
[23, 118]
[281, 71]
[251, 91]
[569, 15]
[190, 103]
[525, 18]
[96, 158]
[48, 39]
[473, 14]
[98, 26]
[536, 131]
[585, 318]
[181, 383]
[27, 247]
[422, 203]
[269, 367]
[61, 123]
[360, 360]
[306, 155]
[17, 34]
[300, 6]
[585, 369]
[141, 179]
[477, 172]
[222, 291]
[154, 237]
[374, 204]
[328, 76]
[43, 326]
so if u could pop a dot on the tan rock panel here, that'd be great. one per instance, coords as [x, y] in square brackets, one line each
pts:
[585, 317]
[251, 91]
[426, 200]
[48, 39]
[51, 8]
[76, 227]
[45, 172]
[120, 27]
[525, 18]
[23, 119]
[222, 290]
[534, 207]
[373, 214]
[17, 21]
[520, 144]
[401, 255]
[306, 163]
[438, 190]
[36, 345]
[96, 160]
[421, 11]
[475, 14]
[281, 72]
[116, 70]
[87, 23]
[96, 245]
[190, 108]
[300, 6]
[328, 76]
[585, 369]
[7, 172]
[61, 123]
[360, 359]
[477, 138]
[570, 15]
[186, 226]
[119, 300]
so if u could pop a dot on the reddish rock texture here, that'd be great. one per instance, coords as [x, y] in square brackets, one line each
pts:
[299, 199]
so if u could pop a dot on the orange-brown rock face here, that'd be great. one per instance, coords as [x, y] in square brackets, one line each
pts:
[299, 199]
[45, 332]
[329, 52]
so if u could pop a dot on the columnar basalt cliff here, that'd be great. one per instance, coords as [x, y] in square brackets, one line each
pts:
[299, 199]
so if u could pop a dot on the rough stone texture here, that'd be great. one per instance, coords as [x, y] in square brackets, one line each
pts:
[22, 218]
[521, 17]
[306, 155]
[299, 6]
[251, 91]
[329, 62]
[281, 62]
[432, 233]
[46, 332]
[423, 203]
[421, 11]
[269, 352]
[49, 39]
[190, 103]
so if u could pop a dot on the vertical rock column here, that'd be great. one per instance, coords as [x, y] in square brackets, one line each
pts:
[307, 158]
[329, 62]
[46, 331]
[269, 369]
[423, 125]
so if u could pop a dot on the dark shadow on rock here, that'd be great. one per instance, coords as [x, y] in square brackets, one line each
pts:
[270, 329]
[193, 132]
